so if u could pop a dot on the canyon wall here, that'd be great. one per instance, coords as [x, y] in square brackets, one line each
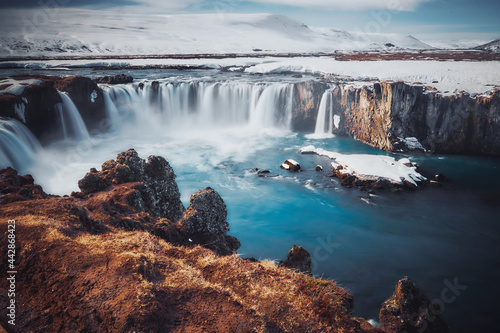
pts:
[393, 116]
[385, 114]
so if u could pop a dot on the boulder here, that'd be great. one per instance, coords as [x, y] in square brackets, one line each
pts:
[298, 259]
[409, 310]
[205, 222]
[290, 165]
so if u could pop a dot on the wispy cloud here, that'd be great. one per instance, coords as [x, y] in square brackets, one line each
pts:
[354, 5]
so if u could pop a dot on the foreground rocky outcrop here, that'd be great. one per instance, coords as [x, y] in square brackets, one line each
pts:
[105, 260]
[111, 259]
[396, 116]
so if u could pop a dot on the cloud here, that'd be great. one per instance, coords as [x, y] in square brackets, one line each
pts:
[354, 5]
[156, 6]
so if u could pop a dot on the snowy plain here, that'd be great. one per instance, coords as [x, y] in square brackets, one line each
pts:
[83, 33]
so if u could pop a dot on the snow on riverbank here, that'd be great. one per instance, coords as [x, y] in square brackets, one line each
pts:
[447, 76]
[371, 167]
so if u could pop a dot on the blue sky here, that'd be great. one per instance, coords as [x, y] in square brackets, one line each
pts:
[425, 19]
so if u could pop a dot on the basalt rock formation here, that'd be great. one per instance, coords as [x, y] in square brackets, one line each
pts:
[396, 116]
[409, 310]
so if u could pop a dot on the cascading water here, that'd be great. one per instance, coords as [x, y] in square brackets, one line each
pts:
[200, 104]
[72, 124]
[18, 145]
[325, 119]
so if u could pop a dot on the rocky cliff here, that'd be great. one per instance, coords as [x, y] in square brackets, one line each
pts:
[36, 104]
[396, 116]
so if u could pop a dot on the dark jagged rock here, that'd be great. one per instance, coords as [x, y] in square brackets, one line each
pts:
[409, 310]
[92, 182]
[205, 221]
[114, 79]
[18, 188]
[298, 259]
[396, 116]
[158, 193]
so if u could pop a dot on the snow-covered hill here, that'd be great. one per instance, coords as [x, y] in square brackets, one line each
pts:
[80, 31]
[493, 46]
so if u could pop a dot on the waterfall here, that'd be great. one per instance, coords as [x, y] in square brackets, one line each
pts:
[325, 119]
[72, 123]
[201, 104]
[111, 112]
[18, 145]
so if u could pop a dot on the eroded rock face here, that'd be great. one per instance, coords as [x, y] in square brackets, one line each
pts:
[396, 116]
[205, 221]
[39, 102]
[157, 191]
[298, 259]
[409, 310]
[307, 97]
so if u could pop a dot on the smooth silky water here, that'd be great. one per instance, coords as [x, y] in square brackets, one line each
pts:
[217, 131]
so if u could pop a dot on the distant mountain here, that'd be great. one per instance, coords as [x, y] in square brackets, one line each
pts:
[80, 31]
[493, 46]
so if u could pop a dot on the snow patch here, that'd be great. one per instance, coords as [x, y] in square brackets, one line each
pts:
[20, 111]
[16, 87]
[412, 143]
[371, 166]
[93, 96]
[336, 121]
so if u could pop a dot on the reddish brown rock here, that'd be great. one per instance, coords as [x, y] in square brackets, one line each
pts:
[298, 259]
[408, 310]
[386, 112]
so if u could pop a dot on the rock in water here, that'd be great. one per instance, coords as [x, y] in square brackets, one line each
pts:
[290, 165]
[409, 310]
[298, 259]
[205, 221]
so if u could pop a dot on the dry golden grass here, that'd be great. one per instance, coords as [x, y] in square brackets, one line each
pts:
[268, 297]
